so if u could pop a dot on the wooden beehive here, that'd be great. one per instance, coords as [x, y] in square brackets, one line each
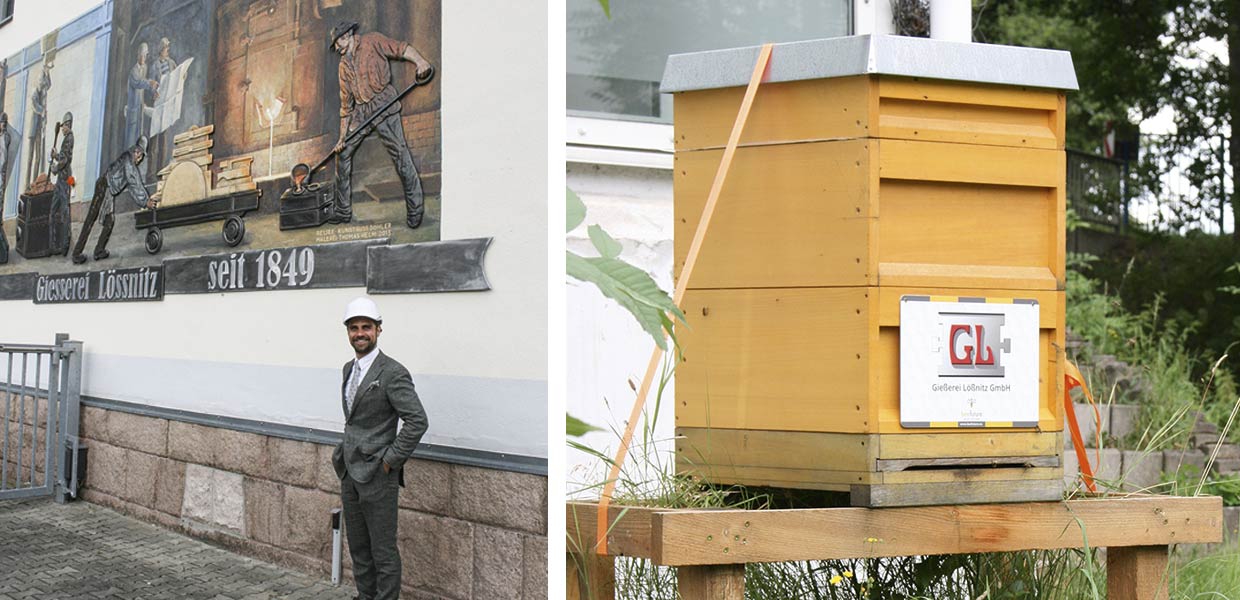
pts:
[893, 167]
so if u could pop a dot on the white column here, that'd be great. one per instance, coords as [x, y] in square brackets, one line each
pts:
[873, 16]
[951, 20]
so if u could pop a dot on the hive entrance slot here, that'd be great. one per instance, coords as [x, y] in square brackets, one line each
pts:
[930, 464]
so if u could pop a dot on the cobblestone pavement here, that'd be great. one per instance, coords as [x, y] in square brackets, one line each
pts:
[81, 550]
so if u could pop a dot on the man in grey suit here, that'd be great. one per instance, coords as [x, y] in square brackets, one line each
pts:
[376, 393]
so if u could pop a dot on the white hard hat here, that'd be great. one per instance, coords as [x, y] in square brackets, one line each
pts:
[362, 307]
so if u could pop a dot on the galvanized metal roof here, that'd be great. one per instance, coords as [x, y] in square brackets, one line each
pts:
[874, 54]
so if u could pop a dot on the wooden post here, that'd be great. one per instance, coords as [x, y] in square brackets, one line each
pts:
[711, 582]
[599, 582]
[1137, 573]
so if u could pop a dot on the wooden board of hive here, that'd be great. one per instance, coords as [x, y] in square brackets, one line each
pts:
[846, 194]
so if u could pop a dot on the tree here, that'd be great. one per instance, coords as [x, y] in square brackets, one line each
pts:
[1133, 58]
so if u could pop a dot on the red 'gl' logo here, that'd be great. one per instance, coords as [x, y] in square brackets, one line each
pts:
[973, 346]
[985, 354]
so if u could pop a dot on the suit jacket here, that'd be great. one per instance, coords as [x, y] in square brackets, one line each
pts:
[384, 395]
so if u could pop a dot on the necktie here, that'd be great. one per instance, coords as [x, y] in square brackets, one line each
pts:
[354, 381]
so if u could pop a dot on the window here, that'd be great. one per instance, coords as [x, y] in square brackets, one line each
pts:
[6, 12]
[614, 66]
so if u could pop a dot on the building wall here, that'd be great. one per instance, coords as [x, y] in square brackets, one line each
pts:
[464, 532]
[634, 205]
[34, 18]
[273, 359]
[479, 358]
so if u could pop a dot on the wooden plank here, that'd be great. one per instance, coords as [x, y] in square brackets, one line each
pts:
[194, 132]
[774, 359]
[192, 147]
[970, 444]
[812, 479]
[232, 177]
[964, 491]
[992, 461]
[789, 535]
[975, 474]
[968, 113]
[590, 577]
[1137, 573]
[1050, 302]
[776, 449]
[842, 481]
[627, 535]
[960, 92]
[238, 186]
[711, 582]
[240, 170]
[236, 162]
[965, 124]
[968, 163]
[956, 276]
[782, 112]
[788, 216]
[834, 461]
[937, 224]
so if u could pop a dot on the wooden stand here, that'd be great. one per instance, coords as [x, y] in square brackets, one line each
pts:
[711, 547]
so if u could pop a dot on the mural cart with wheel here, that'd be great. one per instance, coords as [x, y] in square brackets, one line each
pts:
[230, 208]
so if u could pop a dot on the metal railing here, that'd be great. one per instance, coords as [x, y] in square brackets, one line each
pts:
[1096, 189]
[41, 394]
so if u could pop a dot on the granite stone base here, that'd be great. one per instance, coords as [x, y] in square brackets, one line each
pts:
[464, 532]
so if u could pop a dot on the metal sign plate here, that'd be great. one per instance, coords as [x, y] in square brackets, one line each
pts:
[968, 362]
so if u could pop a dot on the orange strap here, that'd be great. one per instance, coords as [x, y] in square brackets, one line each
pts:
[708, 211]
[1072, 378]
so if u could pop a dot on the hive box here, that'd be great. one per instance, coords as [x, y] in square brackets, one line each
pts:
[872, 169]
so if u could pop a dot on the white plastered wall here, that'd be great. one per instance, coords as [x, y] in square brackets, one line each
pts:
[479, 358]
[32, 19]
[606, 347]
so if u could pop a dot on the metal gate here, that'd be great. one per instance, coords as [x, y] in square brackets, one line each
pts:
[40, 392]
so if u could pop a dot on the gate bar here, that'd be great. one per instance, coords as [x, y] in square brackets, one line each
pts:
[54, 424]
[8, 399]
[34, 421]
[21, 419]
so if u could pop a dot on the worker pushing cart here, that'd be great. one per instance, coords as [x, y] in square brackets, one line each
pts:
[122, 175]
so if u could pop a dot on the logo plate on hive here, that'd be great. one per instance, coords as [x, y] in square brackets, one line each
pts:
[968, 362]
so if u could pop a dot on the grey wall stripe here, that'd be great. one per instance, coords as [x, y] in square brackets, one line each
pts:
[462, 456]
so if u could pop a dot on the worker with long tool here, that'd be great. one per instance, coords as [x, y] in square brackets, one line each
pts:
[62, 167]
[366, 90]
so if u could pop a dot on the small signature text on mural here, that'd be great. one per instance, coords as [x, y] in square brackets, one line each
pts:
[353, 232]
[288, 268]
[112, 285]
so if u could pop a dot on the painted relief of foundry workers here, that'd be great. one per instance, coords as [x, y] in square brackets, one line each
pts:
[62, 168]
[38, 104]
[6, 148]
[122, 176]
[365, 88]
[376, 392]
[135, 101]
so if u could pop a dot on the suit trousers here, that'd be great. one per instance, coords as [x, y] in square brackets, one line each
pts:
[370, 522]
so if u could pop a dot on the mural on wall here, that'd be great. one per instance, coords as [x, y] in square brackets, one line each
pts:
[230, 126]
[41, 94]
